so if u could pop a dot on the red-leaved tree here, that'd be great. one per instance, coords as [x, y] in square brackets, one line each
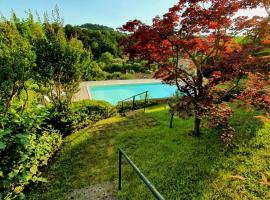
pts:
[257, 32]
[194, 48]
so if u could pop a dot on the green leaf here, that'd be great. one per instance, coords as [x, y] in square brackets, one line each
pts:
[4, 132]
[22, 196]
[24, 139]
[42, 179]
[2, 145]
[34, 169]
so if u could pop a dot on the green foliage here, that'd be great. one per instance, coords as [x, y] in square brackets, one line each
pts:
[126, 76]
[242, 40]
[139, 104]
[96, 27]
[26, 144]
[90, 111]
[38, 59]
[29, 140]
[93, 72]
[16, 62]
[106, 58]
[104, 44]
[123, 66]
[81, 114]
[113, 76]
[99, 40]
[178, 165]
[60, 64]
[263, 52]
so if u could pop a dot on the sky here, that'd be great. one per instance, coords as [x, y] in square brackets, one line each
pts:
[112, 13]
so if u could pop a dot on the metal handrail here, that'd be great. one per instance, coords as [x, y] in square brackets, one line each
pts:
[153, 190]
[133, 100]
[134, 96]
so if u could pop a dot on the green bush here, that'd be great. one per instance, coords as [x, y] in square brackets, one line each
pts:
[112, 76]
[63, 120]
[139, 104]
[116, 67]
[26, 144]
[28, 140]
[88, 111]
[126, 76]
[81, 114]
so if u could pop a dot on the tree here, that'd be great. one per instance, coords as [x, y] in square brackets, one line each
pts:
[98, 39]
[92, 72]
[257, 30]
[17, 59]
[195, 49]
[106, 58]
[60, 63]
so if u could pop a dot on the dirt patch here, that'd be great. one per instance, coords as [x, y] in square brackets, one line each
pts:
[103, 191]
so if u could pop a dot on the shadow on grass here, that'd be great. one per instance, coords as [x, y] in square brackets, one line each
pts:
[179, 165]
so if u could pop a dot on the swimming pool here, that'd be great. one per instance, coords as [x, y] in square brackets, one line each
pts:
[116, 93]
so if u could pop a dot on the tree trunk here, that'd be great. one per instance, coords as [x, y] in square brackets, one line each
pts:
[197, 126]
[13, 94]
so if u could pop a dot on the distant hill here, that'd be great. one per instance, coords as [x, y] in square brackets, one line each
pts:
[96, 27]
[100, 39]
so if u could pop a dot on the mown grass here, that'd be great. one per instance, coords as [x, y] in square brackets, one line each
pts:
[179, 165]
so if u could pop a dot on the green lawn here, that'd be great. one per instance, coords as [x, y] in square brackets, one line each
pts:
[179, 165]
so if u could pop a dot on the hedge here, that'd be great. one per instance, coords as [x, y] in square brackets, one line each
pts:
[139, 104]
[26, 144]
[28, 140]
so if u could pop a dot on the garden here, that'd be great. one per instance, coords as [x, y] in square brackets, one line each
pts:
[219, 144]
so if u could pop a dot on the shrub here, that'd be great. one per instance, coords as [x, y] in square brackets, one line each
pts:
[28, 140]
[126, 76]
[116, 67]
[26, 144]
[63, 120]
[139, 104]
[81, 114]
[115, 75]
[91, 111]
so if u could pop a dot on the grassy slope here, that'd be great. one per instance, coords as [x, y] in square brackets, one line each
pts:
[179, 165]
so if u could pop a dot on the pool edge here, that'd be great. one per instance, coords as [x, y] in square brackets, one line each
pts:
[84, 92]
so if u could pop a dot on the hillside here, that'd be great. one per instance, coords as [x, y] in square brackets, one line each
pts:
[179, 165]
[96, 27]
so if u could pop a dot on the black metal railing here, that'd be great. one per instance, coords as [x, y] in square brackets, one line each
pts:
[171, 121]
[153, 190]
[133, 100]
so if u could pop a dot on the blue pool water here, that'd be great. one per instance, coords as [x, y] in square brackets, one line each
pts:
[116, 93]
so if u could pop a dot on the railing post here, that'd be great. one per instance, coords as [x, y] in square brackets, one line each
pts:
[120, 171]
[145, 100]
[171, 123]
[133, 103]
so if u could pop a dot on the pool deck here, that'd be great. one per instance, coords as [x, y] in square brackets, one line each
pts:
[84, 93]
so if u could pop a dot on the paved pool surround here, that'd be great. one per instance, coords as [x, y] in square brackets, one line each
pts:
[85, 94]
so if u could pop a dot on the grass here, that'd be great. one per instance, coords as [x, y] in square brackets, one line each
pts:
[179, 165]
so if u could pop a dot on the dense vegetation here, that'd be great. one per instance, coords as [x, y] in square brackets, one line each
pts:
[43, 63]
[40, 72]
[104, 45]
[179, 165]
[195, 47]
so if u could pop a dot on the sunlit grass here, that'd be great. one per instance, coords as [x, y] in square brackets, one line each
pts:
[179, 165]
